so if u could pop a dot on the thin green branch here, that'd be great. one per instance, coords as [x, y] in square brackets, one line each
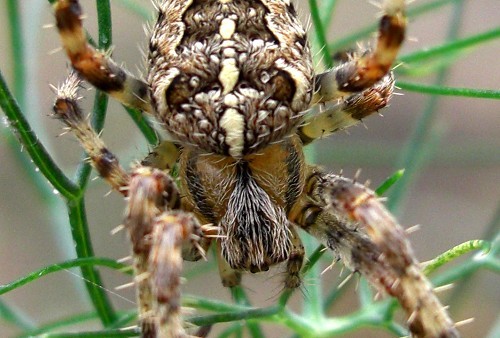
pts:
[123, 319]
[47, 328]
[79, 262]
[449, 91]
[389, 182]
[241, 298]
[203, 303]
[103, 333]
[480, 260]
[35, 149]
[453, 253]
[92, 279]
[17, 43]
[327, 10]
[320, 33]
[13, 316]
[225, 317]
[450, 47]
[459, 292]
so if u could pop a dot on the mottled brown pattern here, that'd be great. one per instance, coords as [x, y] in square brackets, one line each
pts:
[231, 81]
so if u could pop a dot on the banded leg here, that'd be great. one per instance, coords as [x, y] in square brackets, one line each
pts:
[156, 232]
[67, 110]
[325, 119]
[351, 82]
[358, 228]
[294, 263]
[94, 66]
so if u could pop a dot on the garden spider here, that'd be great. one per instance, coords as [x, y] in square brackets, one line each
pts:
[232, 83]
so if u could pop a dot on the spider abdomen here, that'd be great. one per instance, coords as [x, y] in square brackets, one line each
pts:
[230, 80]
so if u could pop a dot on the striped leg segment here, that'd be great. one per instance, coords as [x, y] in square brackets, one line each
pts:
[158, 230]
[362, 83]
[328, 118]
[357, 228]
[171, 230]
[157, 234]
[366, 69]
[294, 264]
[67, 110]
[94, 66]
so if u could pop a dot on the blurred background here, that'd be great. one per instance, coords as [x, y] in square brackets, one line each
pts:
[454, 196]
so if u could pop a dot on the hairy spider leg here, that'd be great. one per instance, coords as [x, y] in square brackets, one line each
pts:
[94, 66]
[362, 84]
[158, 231]
[348, 218]
[105, 162]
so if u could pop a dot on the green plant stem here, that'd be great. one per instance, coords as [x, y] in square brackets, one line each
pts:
[449, 91]
[18, 59]
[452, 47]
[12, 315]
[320, 33]
[35, 149]
[389, 182]
[241, 298]
[73, 320]
[92, 279]
[459, 292]
[98, 334]
[327, 9]
[453, 253]
[79, 262]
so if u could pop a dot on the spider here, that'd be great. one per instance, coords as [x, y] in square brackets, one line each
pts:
[232, 83]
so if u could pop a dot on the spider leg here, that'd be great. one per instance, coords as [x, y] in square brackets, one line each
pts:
[157, 228]
[94, 66]
[349, 219]
[157, 232]
[67, 110]
[362, 84]
[229, 277]
[326, 119]
[294, 263]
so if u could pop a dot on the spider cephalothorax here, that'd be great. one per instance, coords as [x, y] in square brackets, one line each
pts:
[230, 81]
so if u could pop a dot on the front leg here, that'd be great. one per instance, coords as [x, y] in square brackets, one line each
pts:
[94, 66]
[351, 221]
[362, 83]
